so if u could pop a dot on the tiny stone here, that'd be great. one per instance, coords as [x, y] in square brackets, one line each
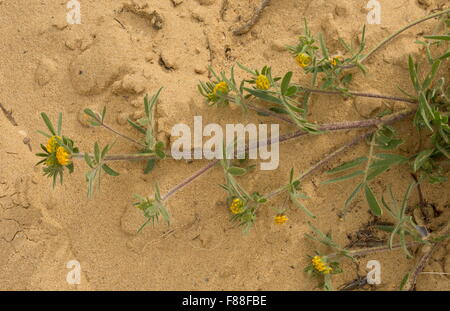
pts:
[278, 46]
[122, 118]
[340, 11]
[426, 3]
[199, 71]
[206, 2]
[177, 2]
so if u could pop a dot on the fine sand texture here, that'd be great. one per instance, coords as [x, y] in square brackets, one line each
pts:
[123, 50]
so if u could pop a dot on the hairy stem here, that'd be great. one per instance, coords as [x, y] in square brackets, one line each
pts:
[287, 137]
[122, 135]
[379, 96]
[340, 150]
[391, 37]
[366, 251]
[189, 180]
[322, 162]
[427, 254]
[325, 127]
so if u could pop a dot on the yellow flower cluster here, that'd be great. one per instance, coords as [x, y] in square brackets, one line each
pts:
[320, 265]
[52, 144]
[334, 61]
[62, 155]
[262, 82]
[303, 60]
[221, 87]
[237, 206]
[281, 219]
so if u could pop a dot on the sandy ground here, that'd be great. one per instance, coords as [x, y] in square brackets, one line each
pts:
[113, 58]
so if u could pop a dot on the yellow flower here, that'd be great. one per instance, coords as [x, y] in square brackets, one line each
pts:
[303, 60]
[221, 87]
[62, 156]
[281, 219]
[320, 265]
[237, 206]
[262, 82]
[52, 144]
[334, 61]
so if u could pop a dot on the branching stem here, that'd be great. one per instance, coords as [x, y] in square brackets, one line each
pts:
[391, 37]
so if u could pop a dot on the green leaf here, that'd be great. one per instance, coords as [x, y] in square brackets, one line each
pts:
[94, 123]
[421, 158]
[59, 123]
[236, 171]
[97, 152]
[48, 123]
[136, 126]
[375, 172]
[103, 113]
[159, 145]
[106, 150]
[146, 106]
[264, 96]
[430, 77]
[278, 110]
[91, 113]
[298, 204]
[161, 154]
[44, 134]
[246, 69]
[372, 201]
[291, 91]
[391, 157]
[345, 177]
[347, 79]
[150, 166]
[405, 199]
[323, 47]
[88, 160]
[352, 196]
[413, 73]
[292, 107]
[164, 213]
[444, 56]
[285, 82]
[347, 165]
[385, 228]
[109, 170]
[438, 37]
[404, 281]
[425, 108]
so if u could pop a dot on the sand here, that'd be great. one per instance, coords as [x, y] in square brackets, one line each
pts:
[125, 49]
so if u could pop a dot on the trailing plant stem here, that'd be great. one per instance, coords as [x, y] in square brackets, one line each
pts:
[391, 37]
[357, 94]
[122, 135]
[331, 127]
[120, 157]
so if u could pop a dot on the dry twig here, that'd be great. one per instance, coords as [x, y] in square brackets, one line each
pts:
[256, 16]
